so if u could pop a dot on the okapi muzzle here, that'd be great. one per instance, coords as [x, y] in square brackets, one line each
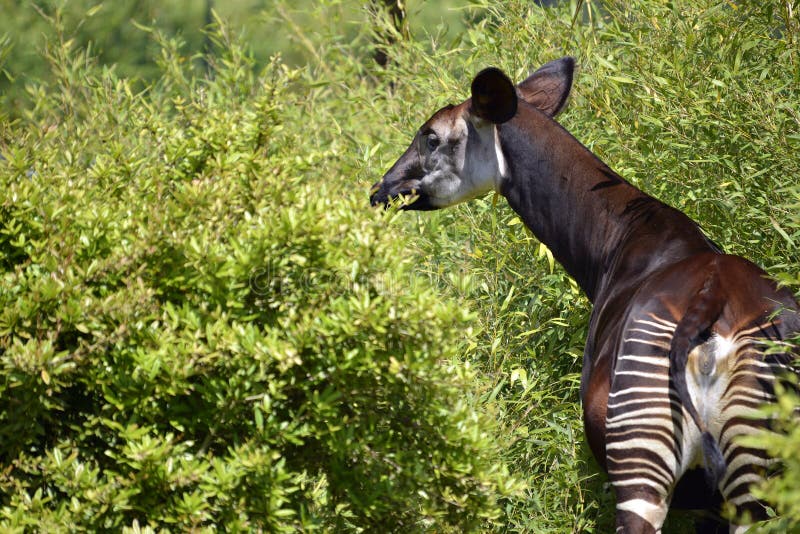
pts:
[675, 365]
[403, 183]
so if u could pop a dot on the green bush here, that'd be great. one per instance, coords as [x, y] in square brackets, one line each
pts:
[117, 33]
[199, 329]
[783, 492]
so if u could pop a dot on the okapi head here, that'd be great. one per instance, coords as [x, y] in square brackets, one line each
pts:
[456, 155]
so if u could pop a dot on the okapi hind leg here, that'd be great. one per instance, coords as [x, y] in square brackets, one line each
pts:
[753, 378]
[748, 509]
[640, 510]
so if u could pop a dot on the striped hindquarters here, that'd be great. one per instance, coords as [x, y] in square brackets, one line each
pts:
[752, 375]
[644, 422]
[650, 439]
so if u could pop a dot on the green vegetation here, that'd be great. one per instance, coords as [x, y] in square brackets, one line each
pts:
[200, 328]
[118, 33]
[202, 325]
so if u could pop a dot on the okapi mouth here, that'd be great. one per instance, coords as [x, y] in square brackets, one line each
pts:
[403, 195]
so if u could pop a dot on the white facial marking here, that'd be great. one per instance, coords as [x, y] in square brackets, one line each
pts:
[502, 168]
[467, 164]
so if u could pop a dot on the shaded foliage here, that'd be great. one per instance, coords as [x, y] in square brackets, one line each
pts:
[197, 329]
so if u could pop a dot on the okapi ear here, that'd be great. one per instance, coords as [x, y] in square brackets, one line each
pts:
[547, 89]
[493, 96]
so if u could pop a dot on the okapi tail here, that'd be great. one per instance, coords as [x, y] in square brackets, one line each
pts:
[702, 313]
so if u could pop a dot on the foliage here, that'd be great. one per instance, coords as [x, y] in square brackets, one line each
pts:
[118, 33]
[203, 324]
[782, 491]
[198, 329]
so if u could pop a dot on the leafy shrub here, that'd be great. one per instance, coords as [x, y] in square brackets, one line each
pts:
[783, 491]
[197, 329]
[118, 32]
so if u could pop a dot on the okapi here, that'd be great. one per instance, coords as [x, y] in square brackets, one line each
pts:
[675, 365]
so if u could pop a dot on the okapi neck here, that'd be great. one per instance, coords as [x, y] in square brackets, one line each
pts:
[598, 226]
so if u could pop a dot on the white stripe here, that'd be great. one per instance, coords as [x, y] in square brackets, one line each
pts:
[628, 391]
[647, 400]
[748, 478]
[644, 374]
[653, 343]
[741, 499]
[502, 166]
[767, 365]
[660, 361]
[756, 394]
[762, 326]
[666, 432]
[642, 465]
[741, 429]
[663, 323]
[637, 414]
[740, 460]
[640, 482]
[667, 335]
[753, 395]
[652, 513]
[665, 481]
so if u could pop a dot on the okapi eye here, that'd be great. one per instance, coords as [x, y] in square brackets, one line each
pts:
[432, 142]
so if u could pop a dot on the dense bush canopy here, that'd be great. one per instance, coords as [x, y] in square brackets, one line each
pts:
[202, 325]
[199, 329]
